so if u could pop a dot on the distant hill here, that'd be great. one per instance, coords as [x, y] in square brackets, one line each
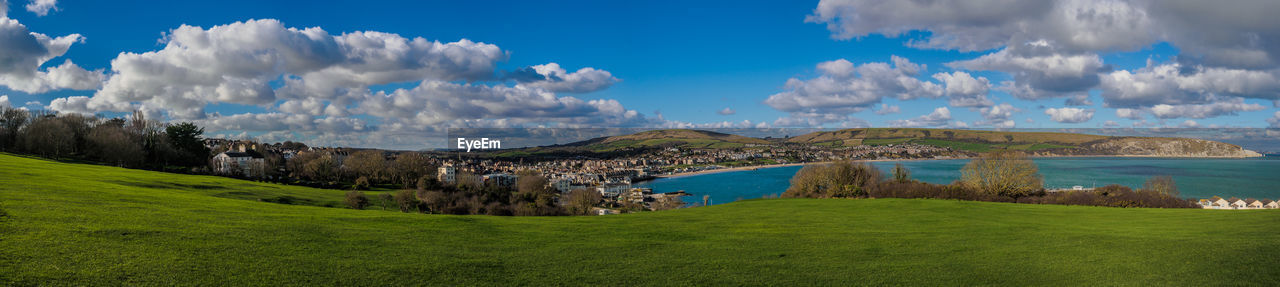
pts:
[963, 141]
[1038, 143]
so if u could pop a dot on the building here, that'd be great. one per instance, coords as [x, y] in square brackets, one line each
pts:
[1238, 204]
[246, 163]
[1255, 204]
[1272, 204]
[500, 179]
[447, 174]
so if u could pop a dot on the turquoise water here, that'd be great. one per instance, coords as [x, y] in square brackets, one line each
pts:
[1196, 178]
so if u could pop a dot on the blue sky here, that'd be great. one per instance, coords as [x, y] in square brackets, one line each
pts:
[686, 60]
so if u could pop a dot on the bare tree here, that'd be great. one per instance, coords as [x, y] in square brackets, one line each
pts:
[11, 120]
[408, 167]
[111, 144]
[1002, 173]
[580, 201]
[367, 163]
[48, 137]
[1161, 184]
[901, 173]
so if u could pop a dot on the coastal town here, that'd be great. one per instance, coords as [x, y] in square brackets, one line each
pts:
[610, 176]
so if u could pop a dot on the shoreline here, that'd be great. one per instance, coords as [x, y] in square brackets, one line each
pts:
[744, 168]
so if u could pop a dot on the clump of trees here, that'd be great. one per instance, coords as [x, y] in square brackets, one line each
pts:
[841, 179]
[996, 177]
[135, 141]
[1002, 173]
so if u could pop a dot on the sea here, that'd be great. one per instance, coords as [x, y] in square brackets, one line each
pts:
[1195, 177]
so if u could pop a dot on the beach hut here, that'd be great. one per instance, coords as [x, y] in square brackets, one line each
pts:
[1239, 203]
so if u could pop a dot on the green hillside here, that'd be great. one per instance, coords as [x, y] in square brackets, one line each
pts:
[74, 224]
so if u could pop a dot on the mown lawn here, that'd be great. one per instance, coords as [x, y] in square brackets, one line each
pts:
[74, 224]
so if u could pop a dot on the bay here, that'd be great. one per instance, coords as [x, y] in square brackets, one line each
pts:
[1196, 177]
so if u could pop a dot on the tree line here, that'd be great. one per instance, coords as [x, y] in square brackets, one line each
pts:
[133, 141]
[1000, 176]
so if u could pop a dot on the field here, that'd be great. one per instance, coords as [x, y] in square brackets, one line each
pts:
[76, 224]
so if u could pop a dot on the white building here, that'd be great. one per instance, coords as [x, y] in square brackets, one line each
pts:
[446, 174]
[501, 179]
[249, 163]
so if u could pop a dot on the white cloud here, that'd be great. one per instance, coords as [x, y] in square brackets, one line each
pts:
[939, 117]
[998, 116]
[726, 111]
[234, 63]
[1215, 109]
[1069, 115]
[1111, 124]
[964, 90]
[436, 102]
[1189, 124]
[1039, 70]
[887, 109]
[553, 78]
[1127, 113]
[1180, 84]
[4, 101]
[22, 52]
[42, 7]
[1275, 121]
[842, 88]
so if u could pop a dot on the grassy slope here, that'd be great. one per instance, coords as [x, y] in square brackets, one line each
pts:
[80, 224]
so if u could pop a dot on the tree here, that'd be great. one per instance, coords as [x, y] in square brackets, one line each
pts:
[841, 179]
[48, 137]
[361, 183]
[435, 200]
[357, 200]
[1161, 184]
[323, 168]
[11, 120]
[109, 143]
[581, 201]
[185, 139]
[1002, 173]
[409, 167]
[533, 196]
[367, 163]
[406, 199]
[901, 173]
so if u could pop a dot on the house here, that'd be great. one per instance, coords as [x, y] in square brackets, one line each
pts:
[1238, 204]
[1205, 203]
[1255, 204]
[1272, 204]
[1221, 203]
[247, 163]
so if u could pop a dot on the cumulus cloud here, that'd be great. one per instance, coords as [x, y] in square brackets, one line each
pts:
[4, 101]
[998, 116]
[1051, 48]
[1069, 115]
[42, 7]
[939, 117]
[1039, 70]
[315, 86]
[1189, 124]
[553, 78]
[843, 88]
[887, 109]
[726, 112]
[23, 52]
[235, 63]
[1275, 121]
[1220, 108]
[1176, 83]
[964, 90]
[985, 25]
[1132, 114]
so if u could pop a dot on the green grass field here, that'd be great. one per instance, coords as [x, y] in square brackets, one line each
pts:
[76, 224]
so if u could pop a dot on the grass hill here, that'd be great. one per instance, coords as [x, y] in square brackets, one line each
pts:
[76, 224]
